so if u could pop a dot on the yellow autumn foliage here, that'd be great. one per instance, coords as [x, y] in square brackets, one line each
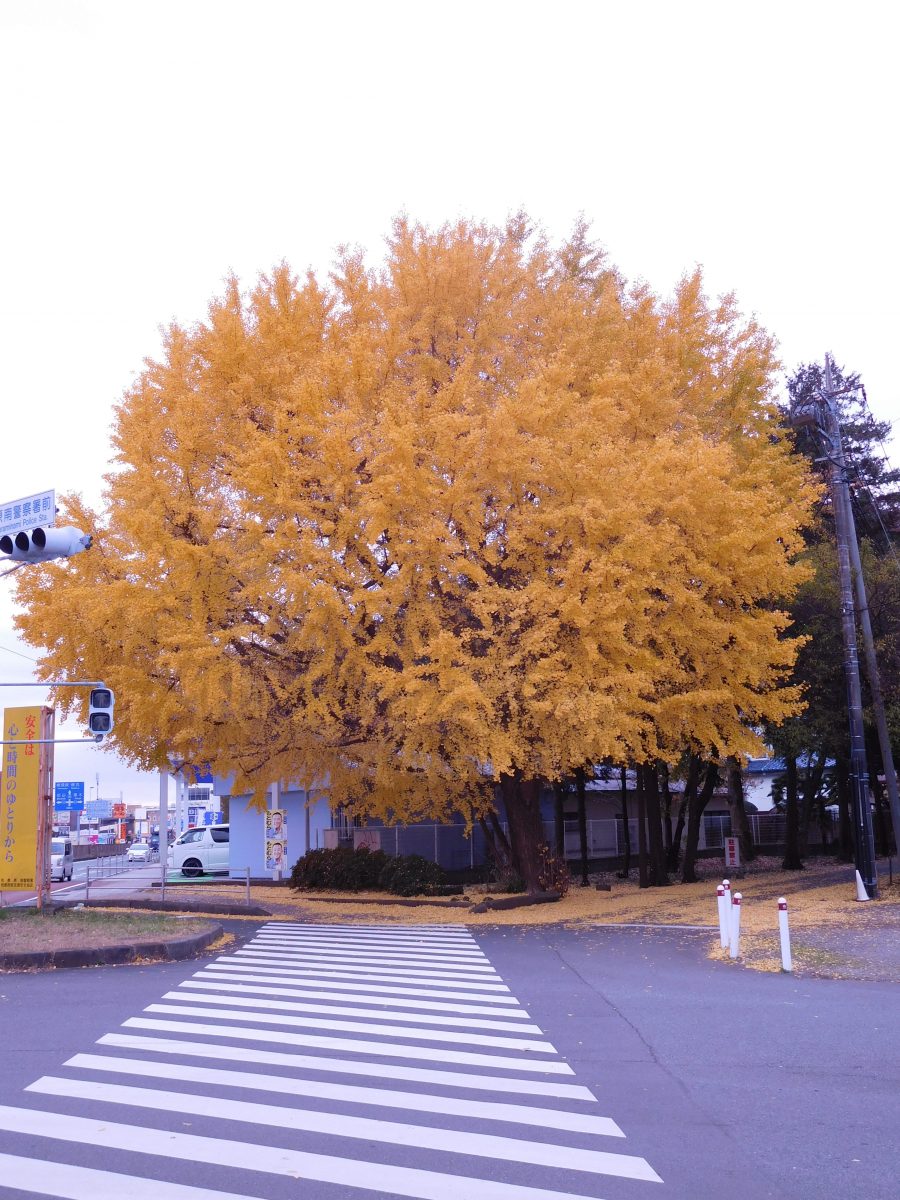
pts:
[480, 511]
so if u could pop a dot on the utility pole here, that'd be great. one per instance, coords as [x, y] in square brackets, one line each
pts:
[884, 737]
[845, 532]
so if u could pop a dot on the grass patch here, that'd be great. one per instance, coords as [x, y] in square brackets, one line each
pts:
[26, 929]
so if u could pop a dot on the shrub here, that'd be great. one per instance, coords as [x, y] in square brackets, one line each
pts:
[506, 879]
[554, 872]
[346, 870]
[342, 869]
[411, 875]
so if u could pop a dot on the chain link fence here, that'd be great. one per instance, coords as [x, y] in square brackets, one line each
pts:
[455, 850]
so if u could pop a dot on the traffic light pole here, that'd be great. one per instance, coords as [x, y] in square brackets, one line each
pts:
[859, 772]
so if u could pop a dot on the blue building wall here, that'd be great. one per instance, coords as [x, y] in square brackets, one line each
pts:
[247, 837]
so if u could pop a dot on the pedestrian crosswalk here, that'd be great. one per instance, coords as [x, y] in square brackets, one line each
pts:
[367, 1061]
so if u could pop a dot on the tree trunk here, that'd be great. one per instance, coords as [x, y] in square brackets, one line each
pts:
[698, 803]
[884, 837]
[626, 828]
[498, 843]
[740, 822]
[666, 793]
[845, 825]
[641, 795]
[658, 876]
[582, 824]
[690, 787]
[792, 858]
[522, 801]
[811, 786]
[559, 815]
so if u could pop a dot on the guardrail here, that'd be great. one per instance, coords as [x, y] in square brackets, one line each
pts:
[97, 873]
[235, 875]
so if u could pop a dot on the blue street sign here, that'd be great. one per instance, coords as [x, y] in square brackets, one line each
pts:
[209, 818]
[68, 797]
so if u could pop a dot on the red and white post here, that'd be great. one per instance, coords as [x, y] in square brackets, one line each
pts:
[784, 931]
[723, 915]
[734, 944]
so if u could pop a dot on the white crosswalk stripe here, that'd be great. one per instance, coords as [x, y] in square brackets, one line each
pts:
[231, 982]
[388, 1060]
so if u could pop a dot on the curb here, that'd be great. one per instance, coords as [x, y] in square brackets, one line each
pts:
[217, 909]
[490, 905]
[397, 900]
[98, 956]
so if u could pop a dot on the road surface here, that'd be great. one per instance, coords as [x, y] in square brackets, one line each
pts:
[371, 1062]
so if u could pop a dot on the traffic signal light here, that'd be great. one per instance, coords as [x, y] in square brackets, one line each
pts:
[100, 712]
[44, 543]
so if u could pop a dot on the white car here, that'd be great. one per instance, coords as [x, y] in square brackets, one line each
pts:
[138, 852]
[202, 850]
[62, 859]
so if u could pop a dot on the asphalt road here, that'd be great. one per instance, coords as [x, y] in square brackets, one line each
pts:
[532, 1064]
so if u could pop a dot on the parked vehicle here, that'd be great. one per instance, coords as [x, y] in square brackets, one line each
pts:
[138, 852]
[199, 851]
[62, 859]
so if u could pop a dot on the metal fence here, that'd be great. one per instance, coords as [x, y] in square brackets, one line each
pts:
[453, 849]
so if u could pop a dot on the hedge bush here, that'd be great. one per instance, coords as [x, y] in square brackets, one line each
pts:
[341, 870]
[346, 870]
[411, 875]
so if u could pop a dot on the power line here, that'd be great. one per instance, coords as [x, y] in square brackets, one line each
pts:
[19, 653]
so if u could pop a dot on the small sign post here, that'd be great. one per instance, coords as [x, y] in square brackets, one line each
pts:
[732, 852]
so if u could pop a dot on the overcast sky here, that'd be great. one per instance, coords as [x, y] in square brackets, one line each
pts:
[148, 149]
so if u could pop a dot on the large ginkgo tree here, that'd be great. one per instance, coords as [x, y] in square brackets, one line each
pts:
[434, 532]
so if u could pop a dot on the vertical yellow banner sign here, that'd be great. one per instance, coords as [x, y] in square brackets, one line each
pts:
[19, 791]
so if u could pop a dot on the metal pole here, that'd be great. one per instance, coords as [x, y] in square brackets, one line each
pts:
[884, 737]
[274, 802]
[163, 830]
[859, 771]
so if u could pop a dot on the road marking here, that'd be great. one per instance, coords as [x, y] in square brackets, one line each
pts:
[237, 995]
[343, 1066]
[393, 957]
[280, 975]
[369, 943]
[245, 983]
[370, 961]
[436, 932]
[45, 1178]
[387, 1030]
[350, 933]
[295, 1164]
[363, 971]
[395, 1133]
[247, 1033]
[519, 1114]
[413, 948]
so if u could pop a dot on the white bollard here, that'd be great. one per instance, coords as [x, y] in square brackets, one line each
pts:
[726, 908]
[786, 964]
[723, 916]
[734, 945]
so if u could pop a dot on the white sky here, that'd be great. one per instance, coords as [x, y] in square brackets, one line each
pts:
[150, 148]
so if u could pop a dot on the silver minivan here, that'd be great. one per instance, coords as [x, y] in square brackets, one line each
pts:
[199, 851]
[62, 859]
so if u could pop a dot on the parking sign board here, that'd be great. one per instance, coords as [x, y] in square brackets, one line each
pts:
[68, 797]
